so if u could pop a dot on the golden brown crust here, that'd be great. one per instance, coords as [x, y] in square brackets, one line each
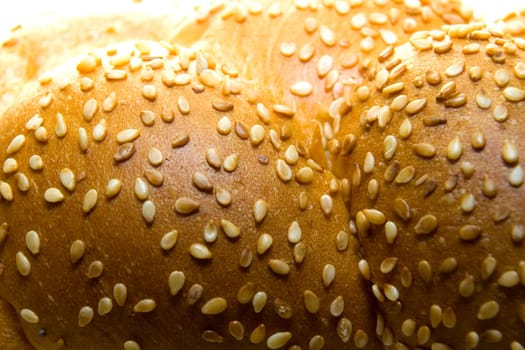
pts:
[302, 55]
[437, 189]
[58, 294]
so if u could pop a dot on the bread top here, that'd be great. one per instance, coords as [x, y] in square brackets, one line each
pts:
[437, 187]
[147, 203]
[302, 55]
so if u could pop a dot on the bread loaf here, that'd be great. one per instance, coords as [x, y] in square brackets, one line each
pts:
[437, 188]
[145, 207]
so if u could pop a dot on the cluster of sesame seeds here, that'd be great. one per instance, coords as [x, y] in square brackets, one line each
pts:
[443, 184]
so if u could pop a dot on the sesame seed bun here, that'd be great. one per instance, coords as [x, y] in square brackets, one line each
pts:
[437, 188]
[310, 53]
[147, 205]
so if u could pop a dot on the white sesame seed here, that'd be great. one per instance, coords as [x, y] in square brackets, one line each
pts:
[509, 279]
[120, 293]
[33, 242]
[186, 206]
[257, 134]
[41, 135]
[10, 166]
[301, 88]
[76, 251]
[141, 189]
[145, 305]
[516, 176]
[328, 275]
[169, 240]
[95, 269]
[183, 104]
[278, 340]
[210, 77]
[155, 156]
[148, 211]
[105, 305]
[279, 267]
[22, 264]
[90, 200]
[113, 188]
[34, 122]
[29, 316]
[100, 131]
[488, 310]
[82, 139]
[311, 301]
[53, 195]
[326, 204]
[6, 191]
[260, 209]
[90, 109]
[231, 162]
[176, 282]
[294, 232]
[85, 316]
[200, 251]
[16, 144]
[514, 94]
[22, 182]
[214, 306]
[259, 301]
[127, 135]
[67, 179]
[230, 229]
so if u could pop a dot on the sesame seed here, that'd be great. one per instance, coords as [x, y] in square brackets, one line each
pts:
[16, 144]
[22, 182]
[76, 251]
[425, 270]
[284, 110]
[426, 224]
[514, 94]
[326, 204]
[120, 293]
[86, 84]
[294, 232]
[180, 140]
[287, 49]
[305, 175]
[113, 188]
[212, 336]
[391, 292]
[415, 106]
[344, 329]
[509, 152]
[41, 134]
[214, 306]
[90, 109]
[200, 251]
[186, 206]
[85, 316]
[299, 252]
[22, 264]
[306, 52]
[259, 301]
[11, 165]
[448, 265]
[148, 211]
[342, 239]
[230, 229]
[222, 105]
[328, 275]
[399, 102]
[33, 242]
[231, 162]
[95, 269]
[264, 242]
[29, 316]
[147, 117]
[488, 310]
[257, 134]
[90, 200]
[202, 182]
[169, 240]
[492, 336]
[500, 113]
[154, 177]
[469, 232]
[105, 305]
[210, 77]
[516, 176]
[483, 100]
[278, 340]
[279, 267]
[176, 282]
[53, 195]
[179, 79]
[87, 64]
[145, 305]
[374, 216]
[509, 279]
[34, 123]
[183, 104]
[488, 266]
[127, 135]
[6, 191]
[141, 189]
[35, 162]
[471, 340]
[311, 301]
[236, 330]
[466, 286]
[224, 125]
[82, 139]
[260, 209]
[284, 172]
[223, 197]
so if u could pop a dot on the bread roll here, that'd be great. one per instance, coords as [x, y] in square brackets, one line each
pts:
[437, 188]
[302, 54]
[147, 204]
[40, 43]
